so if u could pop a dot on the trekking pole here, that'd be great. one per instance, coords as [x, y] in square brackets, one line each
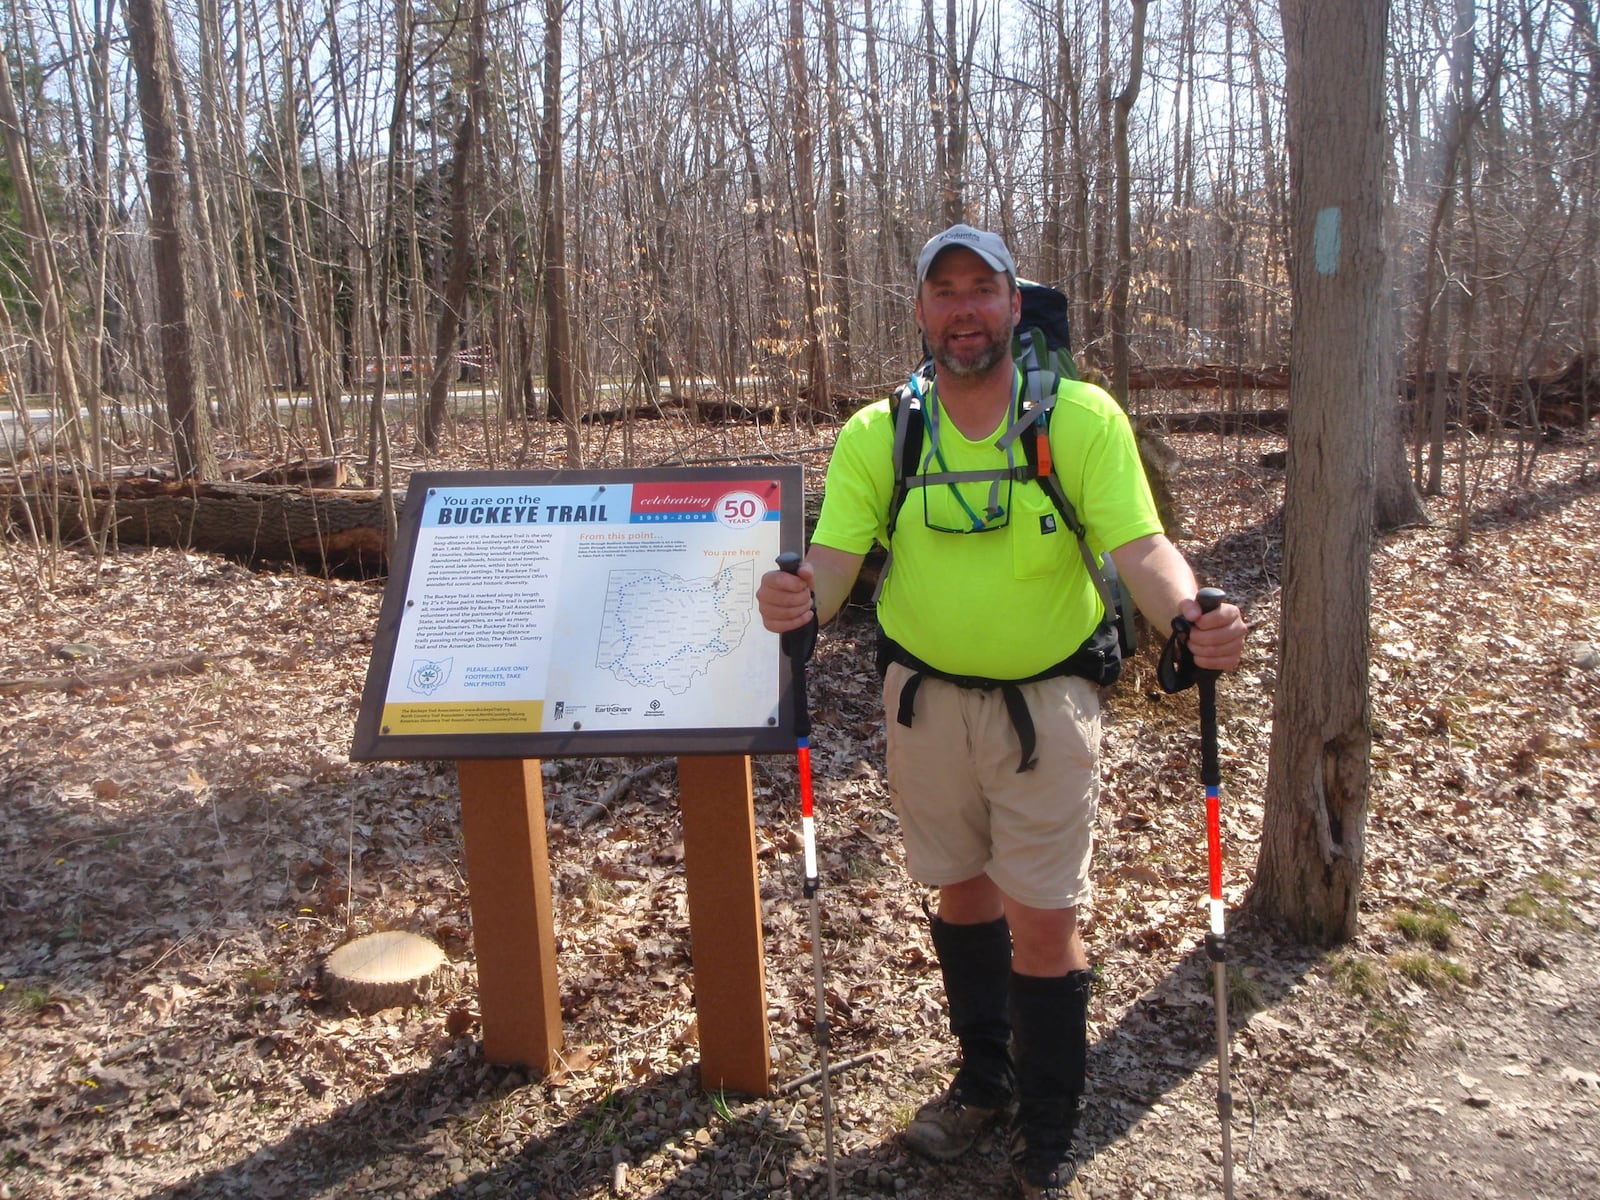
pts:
[1216, 943]
[797, 646]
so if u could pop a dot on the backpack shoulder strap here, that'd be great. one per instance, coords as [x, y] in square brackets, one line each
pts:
[1032, 428]
[907, 411]
[905, 408]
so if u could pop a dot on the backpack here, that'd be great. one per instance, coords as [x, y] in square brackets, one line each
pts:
[1042, 349]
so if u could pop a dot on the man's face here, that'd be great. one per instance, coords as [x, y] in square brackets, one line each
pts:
[967, 310]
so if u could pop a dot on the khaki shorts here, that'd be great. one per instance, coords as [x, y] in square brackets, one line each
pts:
[965, 810]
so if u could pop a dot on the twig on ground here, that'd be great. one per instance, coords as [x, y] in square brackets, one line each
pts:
[619, 789]
[783, 1089]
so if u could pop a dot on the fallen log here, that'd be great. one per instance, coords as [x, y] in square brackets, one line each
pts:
[1564, 399]
[320, 529]
[1208, 377]
[1265, 420]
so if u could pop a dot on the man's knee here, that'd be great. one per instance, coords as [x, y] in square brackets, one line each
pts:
[974, 901]
[1045, 941]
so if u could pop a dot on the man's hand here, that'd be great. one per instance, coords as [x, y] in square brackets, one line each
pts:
[785, 600]
[824, 578]
[1216, 638]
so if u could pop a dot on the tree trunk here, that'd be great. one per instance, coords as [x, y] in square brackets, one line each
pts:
[1057, 94]
[1396, 503]
[815, 323]
[1095, 163]
[1436, 295]
[453, 301]
[1589, 279]
[560, 378]
[838, 201]
[1123, 107]
[321, 529]
[148, 40]
[1313, 837]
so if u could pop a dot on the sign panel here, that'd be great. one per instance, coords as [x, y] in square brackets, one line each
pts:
[533, 614]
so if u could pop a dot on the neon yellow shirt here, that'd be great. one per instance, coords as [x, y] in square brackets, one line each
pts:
[1012, 602]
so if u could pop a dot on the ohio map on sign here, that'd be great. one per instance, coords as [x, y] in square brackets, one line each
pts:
[660, 629]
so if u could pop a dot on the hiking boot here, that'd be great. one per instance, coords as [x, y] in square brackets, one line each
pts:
[1045, 1165]
[946, 1128]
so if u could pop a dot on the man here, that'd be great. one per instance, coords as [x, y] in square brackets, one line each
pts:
[985, 587]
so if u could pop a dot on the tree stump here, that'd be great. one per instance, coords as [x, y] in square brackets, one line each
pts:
[384, 969]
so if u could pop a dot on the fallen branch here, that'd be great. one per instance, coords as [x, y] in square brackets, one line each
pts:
[795, 1085]
[188, 664]
[619, 789]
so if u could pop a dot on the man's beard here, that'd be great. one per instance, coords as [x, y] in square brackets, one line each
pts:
[978, 363]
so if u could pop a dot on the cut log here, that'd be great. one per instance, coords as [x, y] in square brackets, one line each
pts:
[384, 969]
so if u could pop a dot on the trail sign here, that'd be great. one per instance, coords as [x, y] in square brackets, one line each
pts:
[537, 614]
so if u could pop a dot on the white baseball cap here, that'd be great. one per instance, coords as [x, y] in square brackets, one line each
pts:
[981, 242]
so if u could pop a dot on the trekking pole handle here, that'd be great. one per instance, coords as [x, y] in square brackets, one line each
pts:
[798, 644]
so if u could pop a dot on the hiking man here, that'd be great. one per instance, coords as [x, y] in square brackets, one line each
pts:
[984, 602]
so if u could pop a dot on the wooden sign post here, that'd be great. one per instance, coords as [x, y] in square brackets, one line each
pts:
[719, 858]
[513, 926]
[508, 873]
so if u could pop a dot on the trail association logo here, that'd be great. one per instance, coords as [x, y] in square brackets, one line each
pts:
[427, 676]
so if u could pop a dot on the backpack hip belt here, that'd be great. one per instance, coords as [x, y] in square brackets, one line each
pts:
[1097, 660]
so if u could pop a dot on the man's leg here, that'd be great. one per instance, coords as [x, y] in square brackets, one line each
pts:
[973, 944]
[1050, 1024]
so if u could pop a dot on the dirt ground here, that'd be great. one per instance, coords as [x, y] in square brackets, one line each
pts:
[184, 839]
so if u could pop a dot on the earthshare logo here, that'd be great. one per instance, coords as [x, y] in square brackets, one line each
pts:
[428, 676]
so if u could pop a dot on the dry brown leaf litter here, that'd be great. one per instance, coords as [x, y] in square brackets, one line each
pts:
[180, 847]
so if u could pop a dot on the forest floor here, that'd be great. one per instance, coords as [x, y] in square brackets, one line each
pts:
[180, 848]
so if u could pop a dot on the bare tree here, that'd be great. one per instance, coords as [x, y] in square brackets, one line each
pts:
[1314, 832]
[1588, 180]
[49, 292]
[560, 376]
[818, 383]
[1123, 268]
[949, 76]
[838, 199]
[149, 41]
[1433, 340]
[717, 195]
[459, 253]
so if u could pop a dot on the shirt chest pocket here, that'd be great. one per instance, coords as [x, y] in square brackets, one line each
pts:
[1040, 539]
